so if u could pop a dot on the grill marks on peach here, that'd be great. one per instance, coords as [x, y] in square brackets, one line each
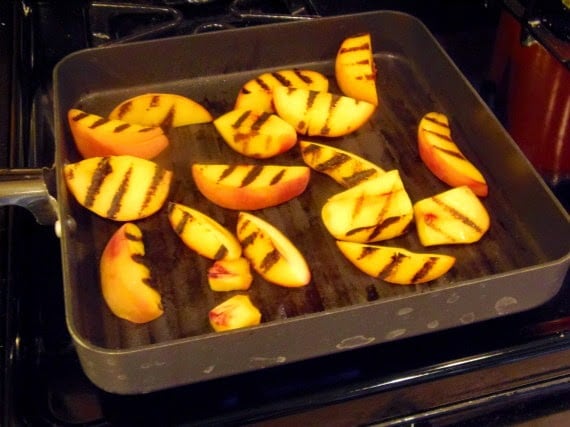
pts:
[118, 127]
[375, 229]
[124, 109]
[103, 170]
[256, 127]
[454, 213]
[364, 46]
[270, 259]
[391, 269]
[157, 178]
[153, 102]
[333, 100]
[286, 78]
[448, 145]
[367, 63]
[185, 219]
[254, 171]
[382, 222]
[434, 119]
[119, 194]
[251, 175]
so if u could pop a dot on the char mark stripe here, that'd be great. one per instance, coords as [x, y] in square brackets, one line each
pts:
[280, 77]
[366, 251]
[157, 178]
[227, 172]
[277, 178]
[269, 260]
[425, 269]
[154, 101]
[98, 122]
[375, 229]
[311, 99]
[133, 238]
[251, 175]
[119, 194]
[452, 153]
[262, 84]
[168, 118]
[221, 252]
[334, 162]
[241, 119]
[122, 127]
[260, 121]
[439, 135]
[458, 215]
[103, 169]
[363, 46]
[392, 266]
[358, 177]
[303, 77]
[80, 116]
[124, 109]
[181, 225]
[334, 100]
[250, 238]
[434, 120]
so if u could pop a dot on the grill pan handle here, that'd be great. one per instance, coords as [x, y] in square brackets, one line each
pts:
[28, 188]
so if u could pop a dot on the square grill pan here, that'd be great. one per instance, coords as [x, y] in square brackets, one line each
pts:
[519, 264]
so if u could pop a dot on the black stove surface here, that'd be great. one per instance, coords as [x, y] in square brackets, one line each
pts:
[495, 372]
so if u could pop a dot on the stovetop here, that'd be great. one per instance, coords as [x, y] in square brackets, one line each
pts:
[470, 374]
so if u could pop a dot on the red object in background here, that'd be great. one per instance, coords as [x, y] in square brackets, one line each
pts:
[537, 90]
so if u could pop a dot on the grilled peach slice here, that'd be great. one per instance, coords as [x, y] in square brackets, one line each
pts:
[355, 69]
[234, 313]
[452, 217]
[442, 156]
[249, 187]
[344, 167]
[321, 113]
[271, 253]
[230, 275]
[257, 94]
[256, 134]
[202, 233]
[396, 265]
[121, 188]
[96, 136]
[165, 110]
[377, 209]
[125, 279]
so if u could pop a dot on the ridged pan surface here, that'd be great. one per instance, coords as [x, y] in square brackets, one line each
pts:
[517, 265]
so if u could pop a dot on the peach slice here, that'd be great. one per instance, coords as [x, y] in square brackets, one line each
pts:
[256, 134]
[257, 94]
[321, 113]
[230, 275]
[126, 279]
[355, 69]
[250, 187]
[374, 210]
[396, 265]
[442, 155]
[271, 254]
[96, 136]
[344, 167]
[121, 188]
[202, 233]
[161, 109]
[452, 217]
[234, 313]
